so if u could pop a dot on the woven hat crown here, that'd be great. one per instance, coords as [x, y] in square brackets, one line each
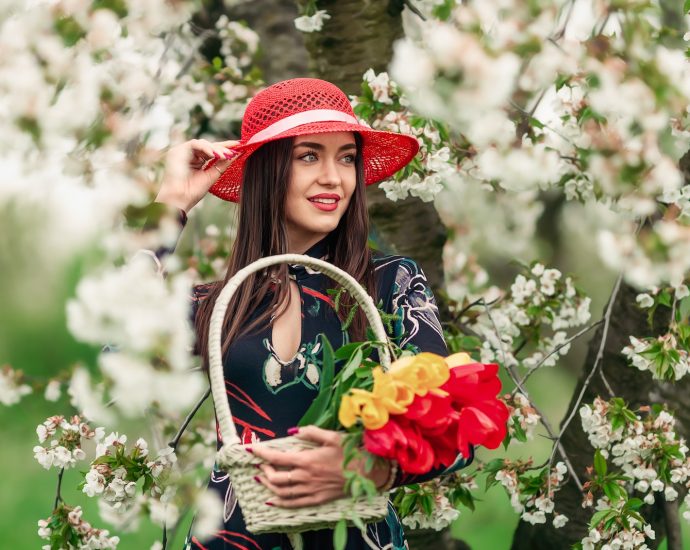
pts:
[290, 97]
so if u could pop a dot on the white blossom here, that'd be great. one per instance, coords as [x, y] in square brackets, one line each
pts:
[311, 23]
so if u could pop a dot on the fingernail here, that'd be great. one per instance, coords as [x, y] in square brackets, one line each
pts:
[269, 504]
[292, 431]
[230, 156]
[257, 466]
[216, 155]
[256, 478]
[249, 450]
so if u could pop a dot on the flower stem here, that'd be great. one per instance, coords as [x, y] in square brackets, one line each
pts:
[58, 496]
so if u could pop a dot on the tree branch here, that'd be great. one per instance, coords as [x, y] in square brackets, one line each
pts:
[542, 418]
[588, 380]
[176, 440]
[557, 348]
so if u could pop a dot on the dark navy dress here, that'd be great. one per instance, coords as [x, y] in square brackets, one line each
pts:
[267, 396]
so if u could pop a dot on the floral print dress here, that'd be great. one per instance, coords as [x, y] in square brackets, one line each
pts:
[268, 395]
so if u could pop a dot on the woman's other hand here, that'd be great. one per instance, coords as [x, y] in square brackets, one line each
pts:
[191, 168]
[311, 477]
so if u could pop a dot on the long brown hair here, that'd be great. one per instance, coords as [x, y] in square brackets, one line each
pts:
[261, 231]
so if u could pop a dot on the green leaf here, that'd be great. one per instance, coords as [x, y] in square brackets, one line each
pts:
[357, 521]
[406, 504]
[353, 364]
[634, 504]
[346, 351]
[520, 434]
[597, 518]
[340, 535]
[320, 403]
[600, 463]
[611, 491]
[428, 504]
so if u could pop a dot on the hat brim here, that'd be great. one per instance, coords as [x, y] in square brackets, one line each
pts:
[384, 153]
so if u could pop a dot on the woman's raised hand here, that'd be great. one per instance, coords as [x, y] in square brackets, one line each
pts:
[191, 168]
[315, 476]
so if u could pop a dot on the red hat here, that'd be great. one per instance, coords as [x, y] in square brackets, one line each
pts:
[303, 106]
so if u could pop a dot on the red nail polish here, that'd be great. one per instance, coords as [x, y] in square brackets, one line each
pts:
[230, 156]
[292, 431]
[216, 155]
[249, 450]
[257, 466]
[269, 504]
[256, 478]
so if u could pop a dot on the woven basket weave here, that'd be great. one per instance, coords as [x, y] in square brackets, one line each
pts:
[239, 464]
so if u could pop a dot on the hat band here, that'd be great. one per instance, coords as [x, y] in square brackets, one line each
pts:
[298, 119]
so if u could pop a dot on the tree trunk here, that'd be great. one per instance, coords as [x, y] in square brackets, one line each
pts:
[281, 44]
[358, 36]
[637, 388]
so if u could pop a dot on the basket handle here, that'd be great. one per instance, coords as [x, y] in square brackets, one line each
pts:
[215, 356]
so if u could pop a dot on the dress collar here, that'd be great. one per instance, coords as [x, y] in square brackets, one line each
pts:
[318, 250]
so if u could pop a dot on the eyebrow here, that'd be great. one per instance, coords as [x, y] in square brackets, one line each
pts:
[320, 147]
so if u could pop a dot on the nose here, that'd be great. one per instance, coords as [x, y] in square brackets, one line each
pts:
[330, 173]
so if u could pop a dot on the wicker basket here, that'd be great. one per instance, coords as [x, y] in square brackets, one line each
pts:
[239, 464]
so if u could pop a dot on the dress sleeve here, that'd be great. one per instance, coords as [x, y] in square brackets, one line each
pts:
[418, 328]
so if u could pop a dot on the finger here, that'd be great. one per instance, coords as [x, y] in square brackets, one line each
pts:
[286, 492]
[286, 459]
[204, 147]
[281, 478]
[225, 152]
[319, 435]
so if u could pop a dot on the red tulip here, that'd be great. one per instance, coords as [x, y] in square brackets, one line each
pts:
[473, 388]
[401, 440]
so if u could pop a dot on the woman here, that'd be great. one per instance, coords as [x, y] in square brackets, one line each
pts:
[299, 174]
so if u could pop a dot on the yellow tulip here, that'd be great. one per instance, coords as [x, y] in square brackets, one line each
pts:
[362, 404]
[394, 395]
[458, 359]
[423, 372]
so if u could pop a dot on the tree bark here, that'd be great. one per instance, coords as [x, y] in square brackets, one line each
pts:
[282, 53]
[637, 388]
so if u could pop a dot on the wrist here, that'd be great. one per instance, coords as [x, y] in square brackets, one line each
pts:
[386, 482]
[176, 200]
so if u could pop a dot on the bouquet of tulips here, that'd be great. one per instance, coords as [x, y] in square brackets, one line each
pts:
[422, 412]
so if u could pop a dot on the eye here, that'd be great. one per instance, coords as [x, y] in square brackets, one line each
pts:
[309, 156]
[350, 159]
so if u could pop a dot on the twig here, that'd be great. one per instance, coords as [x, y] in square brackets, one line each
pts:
[606, 383]
[58, 495]
[477, 302]
[559, 34]
[175, 441]
[414, 9]
[588, 380]
[673, 311]
[558, 348]
[542, 418]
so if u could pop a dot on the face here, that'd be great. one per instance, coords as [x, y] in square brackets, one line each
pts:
[322, 181]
